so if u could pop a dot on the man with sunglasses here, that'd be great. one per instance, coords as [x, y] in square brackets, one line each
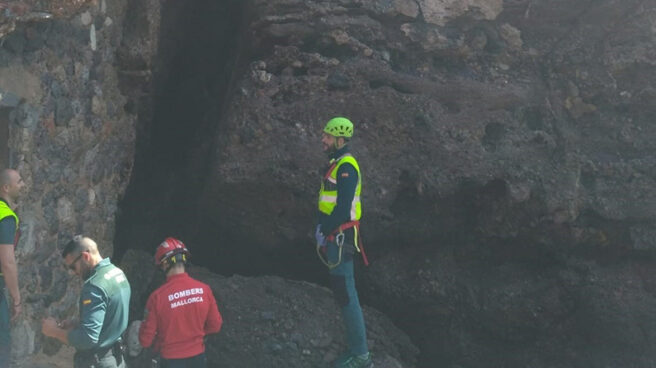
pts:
[104, 305]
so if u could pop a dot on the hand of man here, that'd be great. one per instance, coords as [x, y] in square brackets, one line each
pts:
[15, 311]
[321, 240]
[132, 338]
[49, 326]
[67, 324]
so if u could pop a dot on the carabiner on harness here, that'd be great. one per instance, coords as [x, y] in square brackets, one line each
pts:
[339, 240]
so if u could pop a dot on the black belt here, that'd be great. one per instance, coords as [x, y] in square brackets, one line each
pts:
[103, 352]
[96, 355]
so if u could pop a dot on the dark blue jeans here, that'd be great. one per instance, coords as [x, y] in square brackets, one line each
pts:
[198, 361]
[5, 338]
[343, 285]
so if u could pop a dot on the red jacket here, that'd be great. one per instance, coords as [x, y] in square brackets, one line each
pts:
[178, 315]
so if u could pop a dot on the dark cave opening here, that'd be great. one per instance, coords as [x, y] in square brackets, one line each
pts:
[173, 191]
[196, 54]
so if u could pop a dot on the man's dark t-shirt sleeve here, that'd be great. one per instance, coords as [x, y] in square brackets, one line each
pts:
[7, 230]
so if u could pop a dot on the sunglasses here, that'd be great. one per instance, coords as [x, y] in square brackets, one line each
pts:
[71, 267]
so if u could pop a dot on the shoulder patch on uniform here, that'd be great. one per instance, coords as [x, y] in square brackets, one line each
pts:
[345, 175]
[86, 301]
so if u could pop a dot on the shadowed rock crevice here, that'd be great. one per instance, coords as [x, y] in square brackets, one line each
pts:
[180, 100]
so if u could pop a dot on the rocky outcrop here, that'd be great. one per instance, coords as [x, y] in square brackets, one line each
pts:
[506, 149]
[273, 322]
[70, 138]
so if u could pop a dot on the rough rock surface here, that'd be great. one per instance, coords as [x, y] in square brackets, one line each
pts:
[506, 148]
[69, 137]
[273, 322]
[507, 151]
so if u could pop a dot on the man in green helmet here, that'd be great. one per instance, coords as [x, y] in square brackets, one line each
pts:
[337, 235]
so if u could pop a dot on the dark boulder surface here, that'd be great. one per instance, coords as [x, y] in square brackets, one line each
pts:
[272, 322]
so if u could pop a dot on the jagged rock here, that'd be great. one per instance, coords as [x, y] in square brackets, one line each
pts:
[441, 11]
[273, 322]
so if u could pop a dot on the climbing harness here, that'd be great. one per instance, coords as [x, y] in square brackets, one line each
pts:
[338, 237]
[339, 240]
[328, 201]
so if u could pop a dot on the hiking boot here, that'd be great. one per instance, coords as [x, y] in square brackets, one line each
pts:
[343, 357]
[354, 361]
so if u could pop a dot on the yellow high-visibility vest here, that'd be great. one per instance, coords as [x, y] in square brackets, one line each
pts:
[328, 191]
[5, 211]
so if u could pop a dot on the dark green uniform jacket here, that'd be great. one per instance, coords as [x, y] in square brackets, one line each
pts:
[104, 305]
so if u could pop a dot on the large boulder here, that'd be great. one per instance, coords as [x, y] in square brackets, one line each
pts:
[273, 322]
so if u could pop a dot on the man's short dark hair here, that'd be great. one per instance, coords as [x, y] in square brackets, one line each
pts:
[75, 246]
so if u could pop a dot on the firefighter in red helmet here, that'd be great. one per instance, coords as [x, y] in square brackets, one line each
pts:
[179, 313]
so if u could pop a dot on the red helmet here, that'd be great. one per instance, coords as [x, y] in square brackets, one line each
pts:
[169, 248]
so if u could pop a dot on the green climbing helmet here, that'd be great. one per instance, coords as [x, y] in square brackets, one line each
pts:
[339, 127]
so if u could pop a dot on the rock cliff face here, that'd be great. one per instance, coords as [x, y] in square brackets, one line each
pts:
[69, 137]
[506, 149]
[507, 159]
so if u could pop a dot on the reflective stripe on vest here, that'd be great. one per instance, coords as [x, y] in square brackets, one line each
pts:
[328, 195]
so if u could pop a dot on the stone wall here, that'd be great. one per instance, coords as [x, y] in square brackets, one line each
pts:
[72, 141]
